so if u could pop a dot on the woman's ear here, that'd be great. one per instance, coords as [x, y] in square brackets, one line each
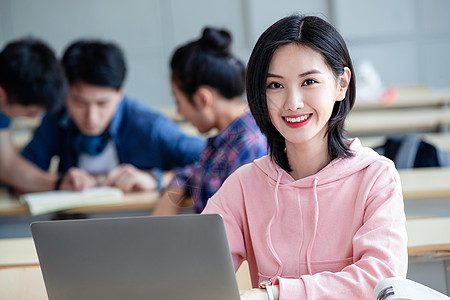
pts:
[203, 97]
[343, 83]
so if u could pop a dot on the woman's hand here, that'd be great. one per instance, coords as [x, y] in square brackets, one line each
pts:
[259, 294]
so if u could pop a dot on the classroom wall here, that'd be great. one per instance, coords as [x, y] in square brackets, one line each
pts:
[406, 40]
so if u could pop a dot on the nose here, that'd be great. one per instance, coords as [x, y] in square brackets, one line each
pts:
[36, 116]
[91, 115]
[294, 100]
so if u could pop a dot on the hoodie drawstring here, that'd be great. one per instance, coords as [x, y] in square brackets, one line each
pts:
[316, 223]
[269, 226]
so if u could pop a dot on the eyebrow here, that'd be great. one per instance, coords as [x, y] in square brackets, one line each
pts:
[313, 71]
[103, 99]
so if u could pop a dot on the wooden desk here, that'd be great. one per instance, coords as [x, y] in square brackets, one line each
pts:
[426, 191]
[414, 109]
[18, 252]
[410, 97]
[20, 274]
[416, 183]
[132, 201]
[425, 183]
[428, 236]
[21, 278]
[429, 252]
[390, 121]
[22, 283]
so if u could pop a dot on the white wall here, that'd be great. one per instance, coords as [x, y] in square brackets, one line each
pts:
[407, 40]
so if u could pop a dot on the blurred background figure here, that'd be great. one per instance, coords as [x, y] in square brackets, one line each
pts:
[31, 81]
[103, 137]
[208, 83]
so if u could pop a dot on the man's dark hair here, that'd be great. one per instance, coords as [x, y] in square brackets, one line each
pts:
[31, 74]
[95, 62]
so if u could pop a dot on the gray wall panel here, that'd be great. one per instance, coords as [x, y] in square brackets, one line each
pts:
[407, 40]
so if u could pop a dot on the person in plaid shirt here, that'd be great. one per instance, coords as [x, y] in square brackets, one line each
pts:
[208, 83]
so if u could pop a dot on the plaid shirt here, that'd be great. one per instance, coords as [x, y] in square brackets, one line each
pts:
[240, 143]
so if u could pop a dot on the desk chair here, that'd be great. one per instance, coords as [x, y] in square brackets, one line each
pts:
[405, 289]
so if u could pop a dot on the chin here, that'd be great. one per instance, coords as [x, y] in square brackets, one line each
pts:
[91, 132]
[204, 130]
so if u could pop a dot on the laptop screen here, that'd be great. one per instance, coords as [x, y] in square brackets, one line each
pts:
[171, 257]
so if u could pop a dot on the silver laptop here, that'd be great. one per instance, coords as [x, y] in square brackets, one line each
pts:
[173, 257]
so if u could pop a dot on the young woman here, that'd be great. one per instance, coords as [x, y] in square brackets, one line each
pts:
[321, 217]
[208, 83]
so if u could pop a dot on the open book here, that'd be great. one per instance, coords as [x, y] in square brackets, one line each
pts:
[405, 289]
[47, 202]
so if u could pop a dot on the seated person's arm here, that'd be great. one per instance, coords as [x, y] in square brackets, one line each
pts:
[177, 148]
[129, 178]
[170, 202]
[19, 172]
[77, 180]
[175, 193]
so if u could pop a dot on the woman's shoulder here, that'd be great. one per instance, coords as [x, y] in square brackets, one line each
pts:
[250, 171]
[367, 155]
[374, 166]
[363, 161]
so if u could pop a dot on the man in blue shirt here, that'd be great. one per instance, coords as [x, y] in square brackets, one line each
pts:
[31, 81]
[103, 137]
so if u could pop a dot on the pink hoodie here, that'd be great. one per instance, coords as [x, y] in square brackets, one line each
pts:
[332, 235]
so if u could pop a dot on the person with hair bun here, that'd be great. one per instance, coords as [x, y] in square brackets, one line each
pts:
[321, 216]
[208, 83]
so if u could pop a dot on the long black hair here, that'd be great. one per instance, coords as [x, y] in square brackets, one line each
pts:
[321, 36]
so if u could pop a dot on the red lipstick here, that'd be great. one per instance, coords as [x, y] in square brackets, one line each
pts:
[295, 121]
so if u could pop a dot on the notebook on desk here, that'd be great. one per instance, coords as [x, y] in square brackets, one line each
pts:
[172, 257]
[53, 201]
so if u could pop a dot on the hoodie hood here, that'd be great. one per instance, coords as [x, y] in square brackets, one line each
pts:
[344, 225]
[334, 171]
[337, 169]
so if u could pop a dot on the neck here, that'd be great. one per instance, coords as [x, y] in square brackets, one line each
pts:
[227, 111]
[307, 159]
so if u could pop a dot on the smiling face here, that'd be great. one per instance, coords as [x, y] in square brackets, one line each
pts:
[301, 92]
[92, 107]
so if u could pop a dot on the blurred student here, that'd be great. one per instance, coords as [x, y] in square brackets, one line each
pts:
[208, 83]
[31, 81]
[103, 137]
[321, 217]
